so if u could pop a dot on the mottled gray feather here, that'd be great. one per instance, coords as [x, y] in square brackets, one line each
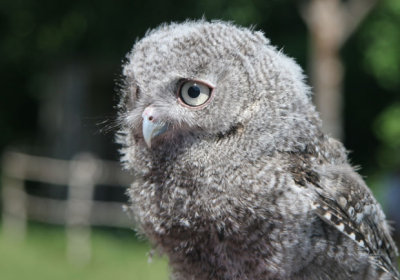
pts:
[245, 186]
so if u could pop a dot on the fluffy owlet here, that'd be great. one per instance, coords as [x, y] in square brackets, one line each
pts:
[236, 180]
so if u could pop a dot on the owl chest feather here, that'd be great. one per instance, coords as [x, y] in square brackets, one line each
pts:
[236, 218]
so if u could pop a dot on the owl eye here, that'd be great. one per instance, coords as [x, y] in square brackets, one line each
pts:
[194, 93]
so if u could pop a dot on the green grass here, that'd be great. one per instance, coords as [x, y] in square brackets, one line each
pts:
[42, 255]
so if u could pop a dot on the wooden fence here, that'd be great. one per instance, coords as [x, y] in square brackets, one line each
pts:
[78, 212]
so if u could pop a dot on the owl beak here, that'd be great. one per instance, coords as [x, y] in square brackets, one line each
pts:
[151, 127]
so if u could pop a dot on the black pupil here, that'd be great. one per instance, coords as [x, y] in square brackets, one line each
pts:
[194, 91]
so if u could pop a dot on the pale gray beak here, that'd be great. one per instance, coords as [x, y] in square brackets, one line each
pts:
[152, 129]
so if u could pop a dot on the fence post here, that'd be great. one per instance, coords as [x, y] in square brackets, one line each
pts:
[84, 170]
[14, 208]
[13, 197]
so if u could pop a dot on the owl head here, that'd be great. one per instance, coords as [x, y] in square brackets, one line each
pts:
[203, 85]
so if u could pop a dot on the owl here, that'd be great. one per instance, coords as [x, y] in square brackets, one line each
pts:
[235, 178]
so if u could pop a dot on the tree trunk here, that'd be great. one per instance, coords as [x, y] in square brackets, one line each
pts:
[330, 23]
[325, 64]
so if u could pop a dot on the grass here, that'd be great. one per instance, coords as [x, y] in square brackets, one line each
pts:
[116, 255]
[42, 255]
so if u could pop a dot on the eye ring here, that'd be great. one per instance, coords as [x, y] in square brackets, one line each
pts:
[194, 94]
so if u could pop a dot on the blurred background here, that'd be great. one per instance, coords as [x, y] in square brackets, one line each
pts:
[62, 189]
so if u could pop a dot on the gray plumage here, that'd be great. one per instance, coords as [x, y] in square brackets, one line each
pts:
[236, 179]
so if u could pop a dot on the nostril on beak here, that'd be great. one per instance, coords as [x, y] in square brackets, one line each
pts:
[149, 113]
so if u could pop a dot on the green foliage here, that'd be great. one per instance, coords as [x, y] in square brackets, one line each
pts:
[382, 44]
[42, 256]
[376, 89]
[387, 129]
[387, 126]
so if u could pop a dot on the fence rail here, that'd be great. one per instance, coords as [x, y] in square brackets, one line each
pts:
[78, 212]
